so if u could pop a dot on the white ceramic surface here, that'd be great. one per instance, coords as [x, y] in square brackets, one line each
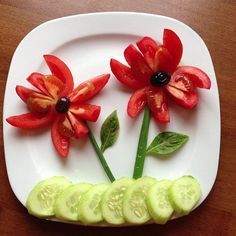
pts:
[86, 43]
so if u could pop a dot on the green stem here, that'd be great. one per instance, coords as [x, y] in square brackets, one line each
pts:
[142, 145]
[100, 156]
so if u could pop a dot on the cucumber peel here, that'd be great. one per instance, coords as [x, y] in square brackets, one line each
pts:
[41, 199]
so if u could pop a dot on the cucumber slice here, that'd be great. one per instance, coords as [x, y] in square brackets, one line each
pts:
[184, 194]
[158, 201]
[90, 204]
[112, 201]
[66, 205]
[41, 199]
[134, 203]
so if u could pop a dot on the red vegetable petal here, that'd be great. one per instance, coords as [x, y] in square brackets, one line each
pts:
[125, 75]
[138, 65]
[137, 102]
[173, 44]
[163, 61]
[88, 89]
[60, 141]
[185, 99]
[78, 125]
[61, 71]
[198, 77]
[148, 48]
[23, 92]
[158, 105]
[86, 111]
[31, 120]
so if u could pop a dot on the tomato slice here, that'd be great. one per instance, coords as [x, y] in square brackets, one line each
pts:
[198, 77]
[148, 48]
[61, 71]
[157, 102]
[163, 61]
[125, 75]
[138, 65]
[31, 120]
[173, 44]
[23, 92]
[88, 89]
[37, 80]
[137, 102]
[86, 111]
[185, 99]
[78, 125]
[60, 141]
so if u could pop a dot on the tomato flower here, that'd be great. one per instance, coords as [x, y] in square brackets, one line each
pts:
[56, 103]
[154, 74]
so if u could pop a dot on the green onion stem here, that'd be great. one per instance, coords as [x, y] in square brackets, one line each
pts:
[100, 156]
[142, 145]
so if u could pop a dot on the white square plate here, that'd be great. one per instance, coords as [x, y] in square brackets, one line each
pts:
[86, 43]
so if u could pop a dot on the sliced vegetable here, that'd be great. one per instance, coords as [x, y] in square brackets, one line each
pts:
[90, 204]
[184, 194]
[158, 202]
[134, 203]
[66, 204]
[112, 201]
[41, 199]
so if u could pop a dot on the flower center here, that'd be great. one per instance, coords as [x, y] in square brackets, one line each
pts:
[159, 79]
[63, 105]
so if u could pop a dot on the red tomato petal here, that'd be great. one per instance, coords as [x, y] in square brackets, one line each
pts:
[61, 71]
[157, 102]
[163, 61]
[61, 142]
[198, 77]
[125, 75]
[23, 92]
[78, 125]
[137, 102]
[86, 111]
[173, 44]
[185, 99]
[89, 89]
[138, 65]
[148, 48]
[31, 120]
[53, 85]
[37, 80]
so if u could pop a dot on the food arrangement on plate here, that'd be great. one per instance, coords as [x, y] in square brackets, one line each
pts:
[155, 76]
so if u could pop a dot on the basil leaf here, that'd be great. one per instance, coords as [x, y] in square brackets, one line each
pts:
[109, 131]
[166, 143]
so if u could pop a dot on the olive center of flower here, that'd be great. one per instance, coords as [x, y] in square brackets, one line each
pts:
[63, 105]
[159, 79]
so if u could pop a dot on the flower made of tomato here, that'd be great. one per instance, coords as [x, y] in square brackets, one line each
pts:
[56, 103]
[154, 74]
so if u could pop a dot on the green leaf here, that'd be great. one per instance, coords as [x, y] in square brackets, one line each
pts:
[109, 131]
[166, 143]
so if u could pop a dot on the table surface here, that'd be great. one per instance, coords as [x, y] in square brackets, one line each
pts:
[215, 21]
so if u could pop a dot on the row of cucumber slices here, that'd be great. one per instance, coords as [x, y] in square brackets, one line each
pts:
[124, 201]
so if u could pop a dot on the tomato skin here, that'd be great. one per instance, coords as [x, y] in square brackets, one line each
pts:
[60, 141]
[125, 75]
[23, 92]
[87, 112]
[198, 77]
[173, 44]
[31, 120]
[137, 102]
[61, 71]
[148, 48]
[157, 102]
[88, 89]
[187, 100]
[138, 65]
